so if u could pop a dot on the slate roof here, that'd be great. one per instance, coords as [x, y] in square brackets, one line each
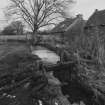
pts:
[76, 27]
[70, 24]
[97, 18]
[63, 25]
[73, 28]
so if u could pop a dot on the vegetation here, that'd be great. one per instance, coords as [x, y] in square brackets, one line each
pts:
[15, 28]
[8, 31]
[23, 76]
[39, 13]
[78, 78]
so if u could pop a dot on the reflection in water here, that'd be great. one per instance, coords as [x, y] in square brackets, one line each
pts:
[47, 55]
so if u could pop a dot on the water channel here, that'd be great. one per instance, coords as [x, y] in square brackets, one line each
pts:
[46, 55]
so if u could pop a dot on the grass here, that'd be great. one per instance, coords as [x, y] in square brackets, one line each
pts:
[10, 47]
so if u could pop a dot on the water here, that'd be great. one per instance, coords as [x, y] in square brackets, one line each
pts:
[46, 55]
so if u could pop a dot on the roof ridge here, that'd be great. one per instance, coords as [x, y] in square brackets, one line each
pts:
[73, 24]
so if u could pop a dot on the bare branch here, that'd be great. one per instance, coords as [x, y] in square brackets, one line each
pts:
[28, 22]
[47, 24]
[32, 7]
[38, 13]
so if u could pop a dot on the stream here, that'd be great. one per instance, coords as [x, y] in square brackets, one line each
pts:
[46, 55]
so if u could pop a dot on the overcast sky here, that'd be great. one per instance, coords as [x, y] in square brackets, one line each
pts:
[85, 7]
[3, 4]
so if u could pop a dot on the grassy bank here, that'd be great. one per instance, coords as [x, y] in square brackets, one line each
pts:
[10, 47]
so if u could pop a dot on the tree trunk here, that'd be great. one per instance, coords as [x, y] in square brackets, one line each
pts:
[34, 35]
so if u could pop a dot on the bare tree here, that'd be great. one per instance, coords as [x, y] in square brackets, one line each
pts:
[18, 27]
[39, 13]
